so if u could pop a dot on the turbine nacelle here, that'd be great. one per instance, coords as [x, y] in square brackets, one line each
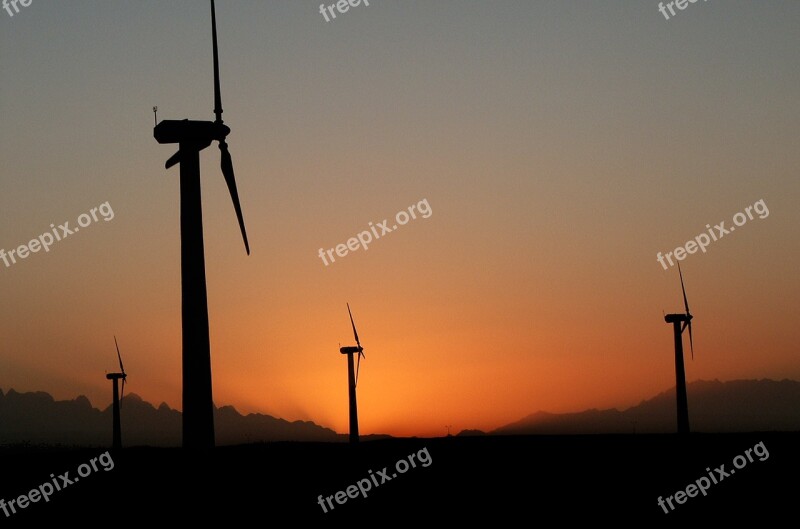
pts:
[352, 349]
[197, 135]
[672, 318]
[190, 131]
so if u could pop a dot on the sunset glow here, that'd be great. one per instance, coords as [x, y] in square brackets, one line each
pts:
[560, 147]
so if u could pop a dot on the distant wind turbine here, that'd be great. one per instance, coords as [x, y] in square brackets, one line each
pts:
[352, 378]
[114, 378]
[679, 323]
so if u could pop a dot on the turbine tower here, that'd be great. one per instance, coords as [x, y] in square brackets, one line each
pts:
[114, 378]
[192, 137]
[352, 378]
[679, 323]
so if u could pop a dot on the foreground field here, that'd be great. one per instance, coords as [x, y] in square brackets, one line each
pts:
[615, 478]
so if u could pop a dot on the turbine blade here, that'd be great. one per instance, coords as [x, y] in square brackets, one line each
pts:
[175, 158]
[226, 162]
[358, 368]
[685, 301]
[358, 365]
[217, 96]
[119, 356]
[227, 171]
[122, 393]
[360, 356]
[355, 332]
[691, 343]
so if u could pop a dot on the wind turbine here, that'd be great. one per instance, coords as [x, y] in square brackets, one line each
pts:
[352, 377]
[679, 323]
[114, 377]
[192, 137]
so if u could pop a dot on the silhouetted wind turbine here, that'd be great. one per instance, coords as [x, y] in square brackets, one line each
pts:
[192, 137]
[679, 323]
[114, 377]
[352, 378]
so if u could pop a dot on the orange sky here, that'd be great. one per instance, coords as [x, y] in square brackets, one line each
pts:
[559, 150]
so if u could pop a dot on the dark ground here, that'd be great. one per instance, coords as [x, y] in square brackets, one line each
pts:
[615, 478]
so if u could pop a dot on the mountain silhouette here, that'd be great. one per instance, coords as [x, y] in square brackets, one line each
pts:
[736, 406]
[37, 418]
[470, 433]
[714, 406]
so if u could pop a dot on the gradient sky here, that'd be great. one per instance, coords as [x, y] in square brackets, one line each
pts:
[560, 145]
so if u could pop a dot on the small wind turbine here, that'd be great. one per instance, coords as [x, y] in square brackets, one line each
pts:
[679, 323]
[192, 137]
[114, 377]
[352, 378]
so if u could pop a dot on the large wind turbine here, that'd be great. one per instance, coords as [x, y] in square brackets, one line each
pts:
[114, 377]
[352, 378]
[192, 137]
[679, 323]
